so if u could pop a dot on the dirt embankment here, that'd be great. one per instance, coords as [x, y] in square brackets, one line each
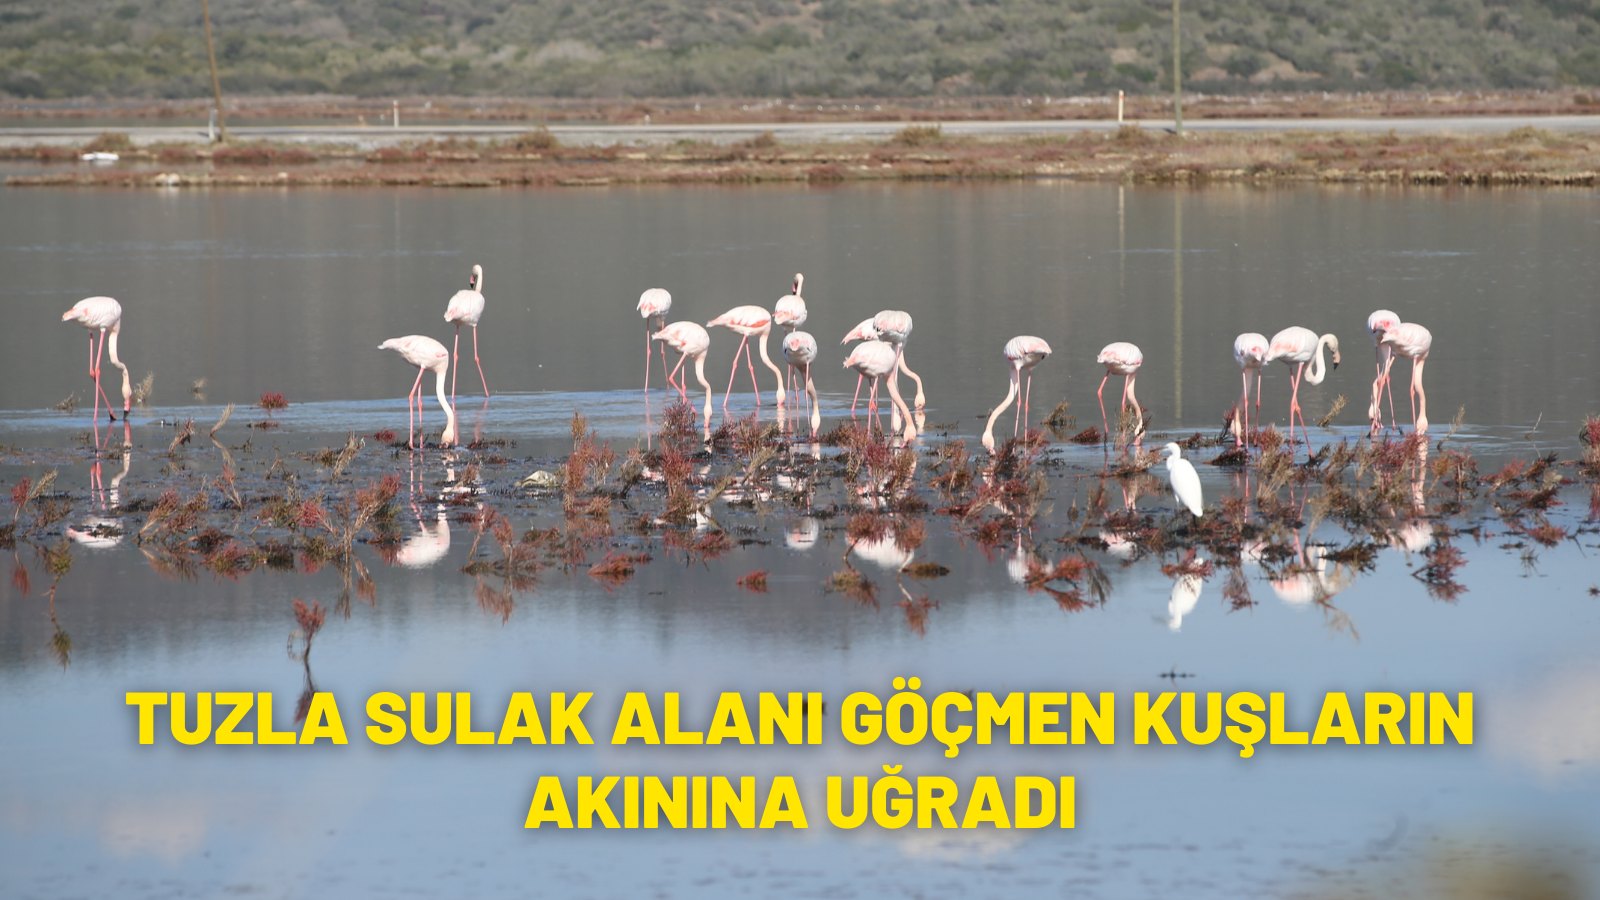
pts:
[1526, 156]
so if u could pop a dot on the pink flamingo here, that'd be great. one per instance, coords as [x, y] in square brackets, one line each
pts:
[1023, 352]
[1379, 322]
[865, 331]
[425, 353]
[894, 326]
[654, 305]
[690, 340]
[800, 351]
[1296, 346]
[1412, 341]
[747, 321]
[1250, 352]
[790, 312]
[876, 359]
[102, 314]
[1121, 358]
[466, 307]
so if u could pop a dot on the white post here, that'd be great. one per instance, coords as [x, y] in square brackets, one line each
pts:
[211, 127]
[397, 113]
[1119, 107]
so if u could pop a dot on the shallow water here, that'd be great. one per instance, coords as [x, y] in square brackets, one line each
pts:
[292, 291]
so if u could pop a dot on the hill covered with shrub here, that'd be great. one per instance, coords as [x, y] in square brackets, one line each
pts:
[819, 48]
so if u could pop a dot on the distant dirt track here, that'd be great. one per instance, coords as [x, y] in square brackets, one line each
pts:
[803, 132]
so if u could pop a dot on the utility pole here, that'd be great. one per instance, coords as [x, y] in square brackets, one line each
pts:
[1177, 66]
[211, 53]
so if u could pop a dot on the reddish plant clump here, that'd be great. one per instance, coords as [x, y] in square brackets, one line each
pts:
[271, 400]
[755, 582]
[309, 618]
[1189, 565]
[383, 436]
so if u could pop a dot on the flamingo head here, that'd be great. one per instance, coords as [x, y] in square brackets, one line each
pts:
[799, 279]
[1333, 346]
[866, 331]
[475, 280]
[1380, 322]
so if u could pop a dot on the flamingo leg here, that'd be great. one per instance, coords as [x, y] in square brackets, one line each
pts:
[857, 397]
[683, 390]
[894, 390]
[742, 341]
[1101, 395]
[1387, 365]
[455, 363]
[647, 353]
[1138, 411]
[1421, 397]
[812, 403]
[110, 412]
[481, 379]
[411, 428]
[1389, 386]
[1294, 400]
[95, 375]
[1242, 420]
[751, 365]
[1375, 410]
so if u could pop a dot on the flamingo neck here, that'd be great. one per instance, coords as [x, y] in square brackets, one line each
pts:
[111, 347]
[700, 376]
[448, 438]
[1011, 394]
[1319, 369]
[766, 360]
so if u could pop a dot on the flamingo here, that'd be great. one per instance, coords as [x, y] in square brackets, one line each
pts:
[876, 359]
[865, 331]
[1023, 352]
[466, 307]
[1296, 346]
[654, 305]
[1121, 358]
[425, 353]
[894, 326]
[102, 314]
[1185, 480]
[790, 312]
[800, 351]
[747, 321]
[689, 340]
[1250, 352]
[1379, 322]
[1412, 341]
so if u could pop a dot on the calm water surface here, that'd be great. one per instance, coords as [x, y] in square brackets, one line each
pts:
[292, 291]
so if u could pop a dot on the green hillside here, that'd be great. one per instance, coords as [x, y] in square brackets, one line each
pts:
[837, 48]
